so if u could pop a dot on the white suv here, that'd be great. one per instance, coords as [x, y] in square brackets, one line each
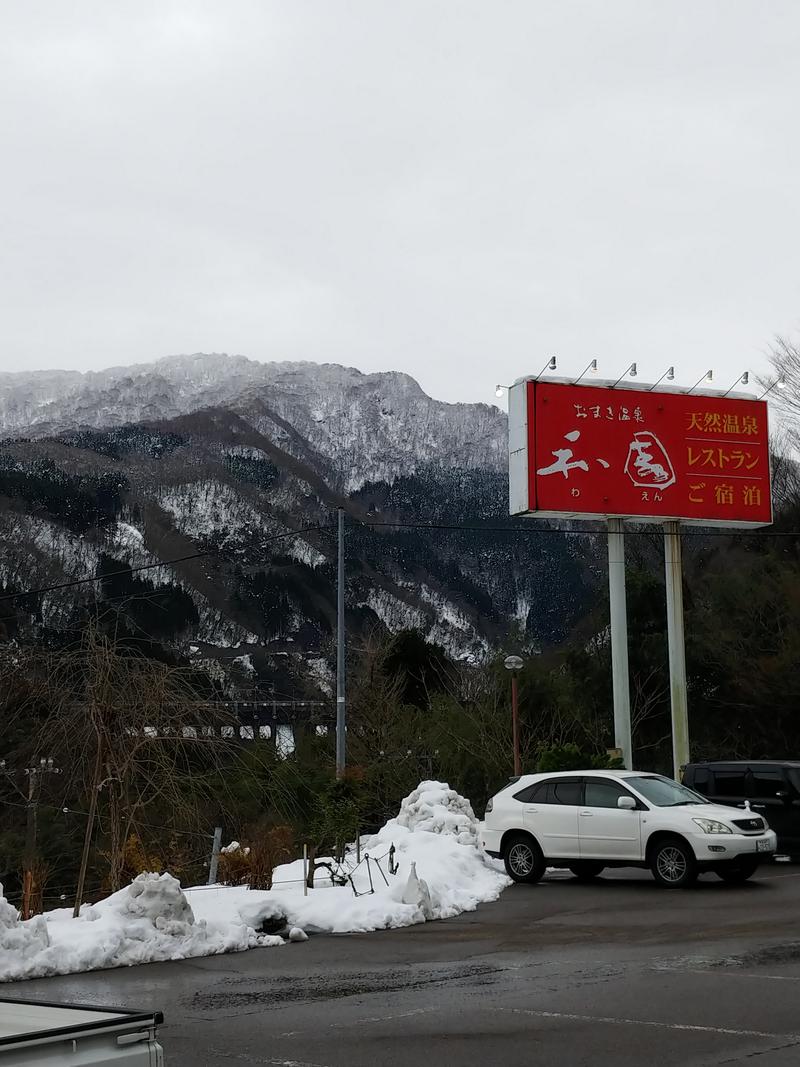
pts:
[588, 820]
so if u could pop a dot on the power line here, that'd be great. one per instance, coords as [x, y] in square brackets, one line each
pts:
[58, 809]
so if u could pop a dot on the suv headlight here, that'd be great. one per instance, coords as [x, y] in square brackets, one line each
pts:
[489, 806]
[711, 826]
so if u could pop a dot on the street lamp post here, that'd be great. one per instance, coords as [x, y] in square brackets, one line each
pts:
[514, 664]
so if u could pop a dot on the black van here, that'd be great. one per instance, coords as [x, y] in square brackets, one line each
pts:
[773, 789]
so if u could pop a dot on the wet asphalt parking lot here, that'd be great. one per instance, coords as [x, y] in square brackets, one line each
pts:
[616, 972]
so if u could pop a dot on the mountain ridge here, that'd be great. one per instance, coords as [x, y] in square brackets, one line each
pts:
[369, 426]
[242, 481]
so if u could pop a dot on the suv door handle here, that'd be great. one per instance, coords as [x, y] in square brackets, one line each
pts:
[531, 811]
[586, 814]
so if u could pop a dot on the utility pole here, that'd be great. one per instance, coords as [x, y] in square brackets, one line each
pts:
[341, 720]
[514, 664]
[31, 796]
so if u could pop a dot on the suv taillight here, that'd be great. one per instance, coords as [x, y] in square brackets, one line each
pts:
[489, 806]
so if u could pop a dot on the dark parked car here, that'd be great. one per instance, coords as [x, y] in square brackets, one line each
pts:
[772, 787]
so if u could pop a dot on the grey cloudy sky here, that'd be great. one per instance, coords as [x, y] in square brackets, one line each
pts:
[451, 188]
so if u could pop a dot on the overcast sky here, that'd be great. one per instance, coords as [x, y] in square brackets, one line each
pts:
[454, 189]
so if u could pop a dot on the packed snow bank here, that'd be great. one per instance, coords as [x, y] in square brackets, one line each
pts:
[149, 921]
[440, 872]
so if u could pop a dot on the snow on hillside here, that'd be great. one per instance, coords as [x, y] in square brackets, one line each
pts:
[441, 872]
[209, 508]
[393, 612]
[371, 427]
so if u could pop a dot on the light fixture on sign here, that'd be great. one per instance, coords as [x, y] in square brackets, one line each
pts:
[592, 367]
[549, 365]
[669, 374]
[743, 380]
[707, 377]
[779, 383]
[499, 390]
[632, 371]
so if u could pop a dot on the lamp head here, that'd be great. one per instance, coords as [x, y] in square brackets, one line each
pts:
[513, 663]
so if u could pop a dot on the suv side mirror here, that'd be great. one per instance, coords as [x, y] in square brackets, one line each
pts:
[626, 803]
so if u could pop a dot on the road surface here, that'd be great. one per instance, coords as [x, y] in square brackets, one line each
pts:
[619, 972]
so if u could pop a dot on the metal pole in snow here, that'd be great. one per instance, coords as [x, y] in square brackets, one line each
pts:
[213, 863]
[673, 565]
[305, 870]
[340, 637]
[619, 641]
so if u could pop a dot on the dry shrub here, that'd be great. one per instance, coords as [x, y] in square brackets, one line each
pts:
[268, 850]
[134, 859]
[40, 872]
[262, 850]
[234, 867]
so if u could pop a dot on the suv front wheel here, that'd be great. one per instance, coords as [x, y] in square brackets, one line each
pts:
[523, 859]
[673, 864]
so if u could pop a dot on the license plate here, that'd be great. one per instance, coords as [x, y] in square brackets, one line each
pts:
[763, 846]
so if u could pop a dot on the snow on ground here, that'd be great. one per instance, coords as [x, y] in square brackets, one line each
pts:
[441, 872]
[148, 921]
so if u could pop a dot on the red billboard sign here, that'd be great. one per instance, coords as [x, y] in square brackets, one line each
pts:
[593, 452]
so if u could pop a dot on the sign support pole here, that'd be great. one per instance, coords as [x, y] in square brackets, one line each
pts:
[619, 641]
[341, 736]
[677, 646]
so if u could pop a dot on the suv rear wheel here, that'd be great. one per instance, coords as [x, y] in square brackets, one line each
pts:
[523, 859]
[673, 864]
[586, 870]
[737, 872]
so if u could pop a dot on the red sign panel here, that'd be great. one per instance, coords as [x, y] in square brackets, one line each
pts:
[622, 452]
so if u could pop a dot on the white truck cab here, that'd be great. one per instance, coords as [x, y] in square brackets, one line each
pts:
[586, 821]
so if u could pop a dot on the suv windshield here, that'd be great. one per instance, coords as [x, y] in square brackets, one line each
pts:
[665, 793]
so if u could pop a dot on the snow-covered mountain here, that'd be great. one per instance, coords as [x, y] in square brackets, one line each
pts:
[364, 427]
[247, 462]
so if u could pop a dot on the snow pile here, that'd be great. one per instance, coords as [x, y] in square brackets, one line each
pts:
[18, 940]
[435, 807]
[441, 872]
[149, 921]
[232, 848]
[436, 870]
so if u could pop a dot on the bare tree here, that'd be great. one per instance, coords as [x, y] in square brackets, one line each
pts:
[784, 359]
[139, 739]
